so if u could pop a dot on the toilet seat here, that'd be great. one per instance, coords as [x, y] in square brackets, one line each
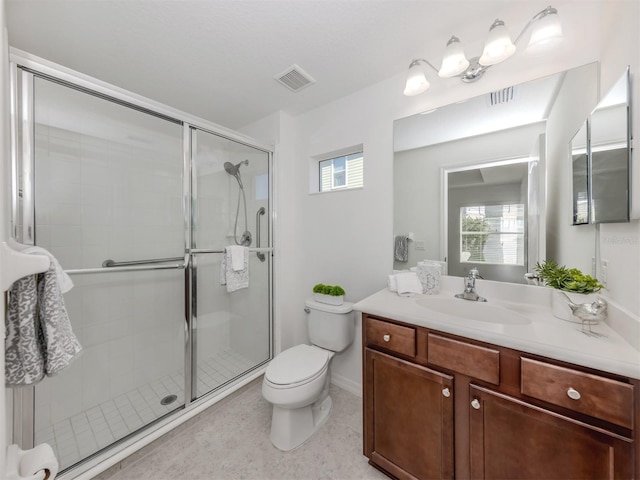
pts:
[296, 366]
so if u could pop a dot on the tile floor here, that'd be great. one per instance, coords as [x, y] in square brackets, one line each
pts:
[231, 441]
[82, 435]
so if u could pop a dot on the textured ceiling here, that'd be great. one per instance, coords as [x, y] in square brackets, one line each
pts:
[217, 58]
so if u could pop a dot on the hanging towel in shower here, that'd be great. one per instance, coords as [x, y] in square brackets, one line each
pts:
[38, 336]
[237, 253]
[64, 281]
[401, 248]
[234, 279]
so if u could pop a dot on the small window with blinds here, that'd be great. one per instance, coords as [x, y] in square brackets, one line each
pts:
[341, 173]
[492, 234]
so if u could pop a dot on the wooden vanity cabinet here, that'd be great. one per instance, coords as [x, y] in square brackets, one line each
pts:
[411, 410]
[512, 439]
[442, 406]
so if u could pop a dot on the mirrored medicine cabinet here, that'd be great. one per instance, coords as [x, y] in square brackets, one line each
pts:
[601, 160]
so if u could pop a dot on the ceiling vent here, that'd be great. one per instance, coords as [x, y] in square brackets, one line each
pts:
[498, 97]
[295, 78]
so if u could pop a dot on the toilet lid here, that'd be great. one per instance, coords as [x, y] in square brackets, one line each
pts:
[296, 365]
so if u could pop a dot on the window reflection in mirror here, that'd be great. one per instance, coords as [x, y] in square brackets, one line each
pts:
[487, 226]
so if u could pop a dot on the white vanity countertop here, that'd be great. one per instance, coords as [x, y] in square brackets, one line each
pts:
[544, 335]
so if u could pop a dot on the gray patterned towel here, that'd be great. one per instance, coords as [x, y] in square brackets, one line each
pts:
[401, 248]
[38, 336]
[234, 279]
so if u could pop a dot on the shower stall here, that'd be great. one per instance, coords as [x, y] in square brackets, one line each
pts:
[138, 203]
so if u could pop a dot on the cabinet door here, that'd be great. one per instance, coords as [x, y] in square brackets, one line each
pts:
[512, 439]
[408, 418]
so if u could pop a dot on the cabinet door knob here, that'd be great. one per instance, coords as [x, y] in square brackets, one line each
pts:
[573, 394]
[475, 404]
[446, 392]
[386, 337]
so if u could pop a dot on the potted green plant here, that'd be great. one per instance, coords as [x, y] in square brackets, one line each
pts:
[577, 287]
[329, 294]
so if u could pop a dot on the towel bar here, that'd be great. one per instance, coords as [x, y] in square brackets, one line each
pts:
[140, 268]
[112, 263]
[211, 250]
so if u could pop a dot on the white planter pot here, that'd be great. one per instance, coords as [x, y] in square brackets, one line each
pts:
[560, 305]
[328, 299]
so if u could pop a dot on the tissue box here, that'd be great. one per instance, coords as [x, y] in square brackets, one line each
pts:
[429, 274]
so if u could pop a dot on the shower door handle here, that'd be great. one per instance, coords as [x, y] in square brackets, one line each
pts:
[261, 211]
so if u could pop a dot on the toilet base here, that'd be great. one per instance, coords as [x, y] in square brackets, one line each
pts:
[290, 428]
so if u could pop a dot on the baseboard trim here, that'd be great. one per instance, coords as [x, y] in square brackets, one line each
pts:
[347, 384]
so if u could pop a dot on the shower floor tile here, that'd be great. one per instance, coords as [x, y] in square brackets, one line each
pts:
[78, 437]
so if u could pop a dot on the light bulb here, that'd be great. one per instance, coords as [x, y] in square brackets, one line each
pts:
[498, 46]
[454, 61]
[416, 80]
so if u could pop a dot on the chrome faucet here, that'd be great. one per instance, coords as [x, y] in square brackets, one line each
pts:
[470, 287]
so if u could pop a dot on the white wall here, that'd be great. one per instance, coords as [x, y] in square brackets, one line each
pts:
[347, 237]
[620, 242]
[573, 246]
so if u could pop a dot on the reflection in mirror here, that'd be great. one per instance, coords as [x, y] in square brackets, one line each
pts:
[580, 169]
[487, 212]
[610, 155]
[458, 145]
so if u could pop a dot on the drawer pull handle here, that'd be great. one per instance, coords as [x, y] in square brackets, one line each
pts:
[386, 337]
[446, 392]
[573, 394]
[475, 404]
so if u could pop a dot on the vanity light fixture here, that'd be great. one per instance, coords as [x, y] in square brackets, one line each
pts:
[546, 29]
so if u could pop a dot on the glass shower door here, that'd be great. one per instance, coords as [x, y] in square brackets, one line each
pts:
[108, 184]
[231, 206]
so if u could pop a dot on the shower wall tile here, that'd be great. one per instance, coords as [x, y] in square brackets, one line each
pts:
[63, 191]
[95, 235]
[65, 214]
[65, 236]
[61, 168]
[68, 388]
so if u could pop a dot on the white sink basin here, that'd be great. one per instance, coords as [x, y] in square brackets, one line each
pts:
[479, 311]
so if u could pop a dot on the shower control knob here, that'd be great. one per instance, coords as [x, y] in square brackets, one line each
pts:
[386, 337]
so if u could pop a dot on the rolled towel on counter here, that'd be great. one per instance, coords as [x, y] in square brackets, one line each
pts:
[408, 284]
[392, 284]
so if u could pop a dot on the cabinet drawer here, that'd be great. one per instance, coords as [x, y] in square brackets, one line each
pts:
[392, 337]
[586, 393]
[473, 360]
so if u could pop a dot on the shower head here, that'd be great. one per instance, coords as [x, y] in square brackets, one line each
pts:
[232, 169]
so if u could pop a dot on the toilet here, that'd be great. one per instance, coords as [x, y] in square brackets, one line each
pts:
[297, 380]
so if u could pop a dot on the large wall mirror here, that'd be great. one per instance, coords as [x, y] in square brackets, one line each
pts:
[470, 179]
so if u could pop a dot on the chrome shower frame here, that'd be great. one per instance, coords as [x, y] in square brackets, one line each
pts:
[23, 68]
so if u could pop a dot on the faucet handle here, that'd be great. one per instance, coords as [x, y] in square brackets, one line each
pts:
[474, 272]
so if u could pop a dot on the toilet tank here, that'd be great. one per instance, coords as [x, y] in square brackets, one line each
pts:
[331, 327]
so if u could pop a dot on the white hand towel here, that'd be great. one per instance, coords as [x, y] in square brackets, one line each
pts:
[392, 283]
[237, 253]
[64, 281]
[234, 280]
[408, 284]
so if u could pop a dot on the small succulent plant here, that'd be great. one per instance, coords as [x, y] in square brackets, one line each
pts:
[333, 290]
[566, 279]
